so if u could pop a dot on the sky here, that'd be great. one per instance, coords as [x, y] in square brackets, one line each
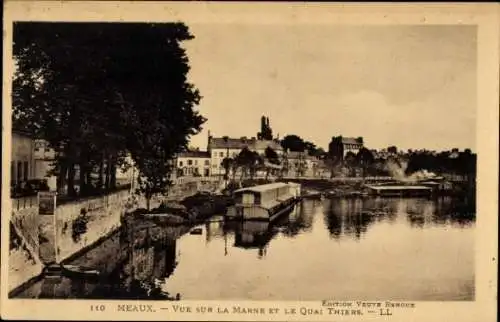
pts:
[409, 86]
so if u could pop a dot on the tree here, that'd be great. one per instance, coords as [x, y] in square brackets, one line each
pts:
[320, 153]
[153, 176]
[301, 167]
[310, 148]
[248, 161]
[364, 158]
[350, 162]
[392, 149]
[98, 92]
[332, 163]
[285, 166]
[272, 157]
[293, 143]
[227, 163]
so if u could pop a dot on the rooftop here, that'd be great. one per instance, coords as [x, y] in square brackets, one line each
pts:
[241, 143]
[194, 154]
[351, 141]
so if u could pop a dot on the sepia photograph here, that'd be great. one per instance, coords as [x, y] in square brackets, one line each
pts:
[173, 161]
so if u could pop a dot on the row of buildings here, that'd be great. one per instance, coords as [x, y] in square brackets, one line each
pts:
[32, 159]
[210, 162]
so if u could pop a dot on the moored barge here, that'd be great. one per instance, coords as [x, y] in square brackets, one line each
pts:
[264, 202]
[400, 190]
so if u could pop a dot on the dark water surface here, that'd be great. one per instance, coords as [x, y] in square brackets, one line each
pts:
[413, 249]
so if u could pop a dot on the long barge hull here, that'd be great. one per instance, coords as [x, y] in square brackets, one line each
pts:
[255, 212]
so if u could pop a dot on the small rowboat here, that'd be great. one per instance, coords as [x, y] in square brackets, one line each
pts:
[79, 271]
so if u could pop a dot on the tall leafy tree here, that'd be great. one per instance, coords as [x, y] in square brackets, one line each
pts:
[293, 143]
[364, 159]
[227, 164]
[392, 149]
[100, 91]
[272, 157]
[248, 161]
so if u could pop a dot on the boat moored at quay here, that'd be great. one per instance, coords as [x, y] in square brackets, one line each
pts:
[264, 202]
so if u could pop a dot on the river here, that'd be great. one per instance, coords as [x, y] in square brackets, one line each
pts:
[414, 249]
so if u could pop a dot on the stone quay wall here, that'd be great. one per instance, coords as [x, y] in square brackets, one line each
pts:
[39, 243]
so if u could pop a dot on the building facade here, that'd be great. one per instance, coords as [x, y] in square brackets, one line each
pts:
[44, 158]
[352, 145]
[225, 147]
[341, 146]
[22, 164]
[193, 164]
[31, 159]
[301, 164]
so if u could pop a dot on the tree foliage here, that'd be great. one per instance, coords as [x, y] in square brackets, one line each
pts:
[100, 91]
[364, 159]
[293, 143]
[271, 155]
[248, 161]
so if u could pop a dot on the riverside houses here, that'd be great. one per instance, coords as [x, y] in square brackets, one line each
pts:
[22, 164]
[302, 164]
[352, 145]
[193, 164]
[222, 147]
[30, 159]
[343, 145]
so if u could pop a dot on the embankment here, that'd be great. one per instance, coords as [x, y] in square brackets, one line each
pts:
[78, 226]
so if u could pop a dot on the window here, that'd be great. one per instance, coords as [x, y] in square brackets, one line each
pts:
[180, 163]
[190, 162]
[19, 171]
[215, 154]
[25, 171]
[221, 154]
[195, 162]
[207, 162]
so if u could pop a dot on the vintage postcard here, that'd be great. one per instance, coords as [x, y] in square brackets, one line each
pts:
[249, 161]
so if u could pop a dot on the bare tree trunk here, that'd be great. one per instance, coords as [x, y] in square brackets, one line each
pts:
[100, 181]
[89, 178]
[112, 180]
[107, 180]
[63, 172]
[71, 180]
[82, 177]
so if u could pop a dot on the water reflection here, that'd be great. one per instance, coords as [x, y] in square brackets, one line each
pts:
[147, 261]
[352, 217]
[134, 264]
